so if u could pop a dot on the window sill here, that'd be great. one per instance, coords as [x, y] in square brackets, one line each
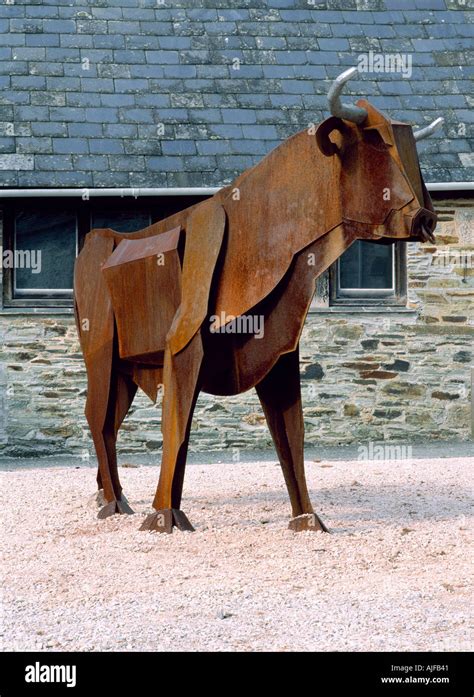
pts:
[40, 311]
[363, 310]
[334, 310]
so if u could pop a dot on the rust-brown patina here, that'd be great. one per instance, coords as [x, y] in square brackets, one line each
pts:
[161, 306]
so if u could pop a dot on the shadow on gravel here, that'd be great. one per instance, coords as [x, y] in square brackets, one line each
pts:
[358, 503]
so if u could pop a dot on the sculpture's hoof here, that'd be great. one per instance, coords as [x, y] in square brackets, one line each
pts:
[165, 520]
[307, 521]
[113, 507]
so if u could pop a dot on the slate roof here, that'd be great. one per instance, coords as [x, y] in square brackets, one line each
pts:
[85, 87]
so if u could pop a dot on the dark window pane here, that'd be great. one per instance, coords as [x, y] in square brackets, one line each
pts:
[127, 219]
[45, 250]
[165, 206]
[366, 265]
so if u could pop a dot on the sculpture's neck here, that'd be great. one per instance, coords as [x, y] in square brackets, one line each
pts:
[305, 184]
[313, 199]
[274, 211]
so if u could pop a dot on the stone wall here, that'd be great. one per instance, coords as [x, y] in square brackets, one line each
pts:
[367, 375]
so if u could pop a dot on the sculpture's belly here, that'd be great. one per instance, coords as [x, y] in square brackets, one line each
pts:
[236, 362]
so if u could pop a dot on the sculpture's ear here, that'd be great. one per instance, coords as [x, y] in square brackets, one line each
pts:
[324, 130]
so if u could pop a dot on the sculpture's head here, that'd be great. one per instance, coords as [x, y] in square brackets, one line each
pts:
[382, 191]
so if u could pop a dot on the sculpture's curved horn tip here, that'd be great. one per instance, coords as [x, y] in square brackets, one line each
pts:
[346, 75]
[428, 130]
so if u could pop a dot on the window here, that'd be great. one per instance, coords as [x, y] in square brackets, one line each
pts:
[41, 238]
[122, 219]
[45, 245]
[369, 274]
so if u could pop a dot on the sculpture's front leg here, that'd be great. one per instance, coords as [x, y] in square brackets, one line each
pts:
[181, 389]
[280, 395]
[183, 360]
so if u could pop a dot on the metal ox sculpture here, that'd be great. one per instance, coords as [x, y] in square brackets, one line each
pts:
[159, 306]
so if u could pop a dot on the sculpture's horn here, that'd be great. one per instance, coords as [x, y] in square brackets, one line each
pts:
[350, 112]
[425, 132]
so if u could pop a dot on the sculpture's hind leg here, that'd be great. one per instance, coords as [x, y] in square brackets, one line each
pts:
[280, 395]
[123, 390]
[105, 412]
[181, 389]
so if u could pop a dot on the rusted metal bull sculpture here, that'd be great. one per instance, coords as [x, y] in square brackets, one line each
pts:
[160, 306]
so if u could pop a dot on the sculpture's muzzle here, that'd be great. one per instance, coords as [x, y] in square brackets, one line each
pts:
[423, 225]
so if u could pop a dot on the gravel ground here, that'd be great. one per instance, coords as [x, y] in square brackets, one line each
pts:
[394, 575]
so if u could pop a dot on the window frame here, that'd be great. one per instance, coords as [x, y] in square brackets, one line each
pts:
[372, 297]
[36, 298]
[42, 293]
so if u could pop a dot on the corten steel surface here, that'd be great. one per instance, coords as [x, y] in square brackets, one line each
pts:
[157, 307]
